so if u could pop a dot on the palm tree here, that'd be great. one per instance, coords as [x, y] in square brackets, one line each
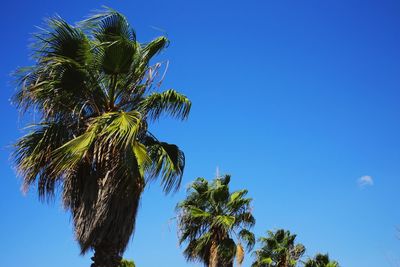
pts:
[278, 250]
[95, 91]
[321, 260]
[214, 223]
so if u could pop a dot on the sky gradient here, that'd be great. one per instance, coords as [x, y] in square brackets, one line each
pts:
[297, 100]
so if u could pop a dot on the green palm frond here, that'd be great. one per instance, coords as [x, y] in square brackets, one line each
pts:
[107, 24]
[33, 155]
[71, 153]
[198, 249]
[168, 161]
[248, 238]
[200, 186]
[122, 128]
[198, 213]
[62, 40]
[170, 101]
[111, 130]
[245, 218]
[154, 47]
[117, 57]
[224, 222]
[61, 83]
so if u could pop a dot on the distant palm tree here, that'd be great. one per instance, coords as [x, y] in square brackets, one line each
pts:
[278, 250]
[214, 223]
[321, 260]
[94, 89]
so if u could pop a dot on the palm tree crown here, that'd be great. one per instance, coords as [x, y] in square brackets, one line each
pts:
[321, 260]
[94, 88]
[278, 250]
[211, 218]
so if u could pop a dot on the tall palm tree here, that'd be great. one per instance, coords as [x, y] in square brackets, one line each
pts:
[214, 223]
[321, 260]
[278, 250]
[95, 91]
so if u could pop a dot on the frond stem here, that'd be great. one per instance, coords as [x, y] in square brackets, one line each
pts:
[113, 88]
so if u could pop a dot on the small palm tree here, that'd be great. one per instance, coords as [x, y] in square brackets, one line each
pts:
[94, 89]
[278, 250]
[214, 223]
[321, 260]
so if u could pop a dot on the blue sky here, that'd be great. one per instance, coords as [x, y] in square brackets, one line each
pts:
[297, 100]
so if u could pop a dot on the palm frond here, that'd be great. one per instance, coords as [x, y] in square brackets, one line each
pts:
[170, 102]
[152, 48]
[62, 81]
[223, 222]
[111, 130]
[168, 161]
[248, 238]
[115, 41]
[33, 156]
[108, 24]
[62, 40]
[198, 213]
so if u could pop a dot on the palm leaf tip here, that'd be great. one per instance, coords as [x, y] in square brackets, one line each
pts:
[170, 102]
[108, 23]
[154, 47]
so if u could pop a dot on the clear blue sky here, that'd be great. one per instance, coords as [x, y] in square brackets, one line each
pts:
[296, 99]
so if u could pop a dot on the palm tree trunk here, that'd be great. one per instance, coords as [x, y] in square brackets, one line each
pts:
[106, 256]
[283, 262]
[213, 255]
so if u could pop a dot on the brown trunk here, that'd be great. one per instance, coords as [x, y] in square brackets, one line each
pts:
[213, 255]
[106, 256]
[283, 262]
